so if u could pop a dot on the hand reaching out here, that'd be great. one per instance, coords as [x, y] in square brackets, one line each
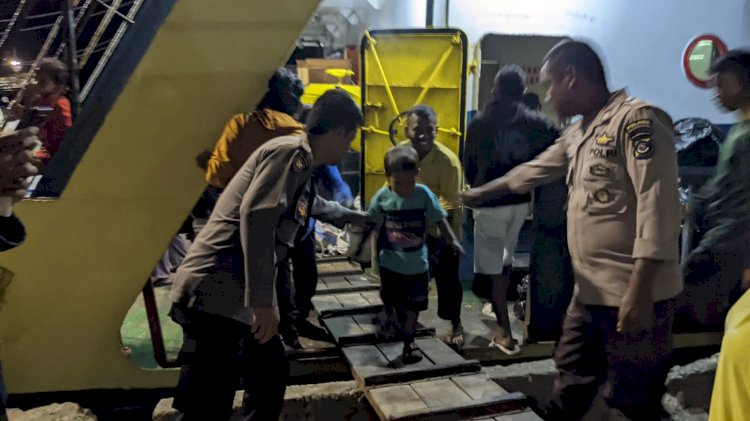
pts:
[17, 162]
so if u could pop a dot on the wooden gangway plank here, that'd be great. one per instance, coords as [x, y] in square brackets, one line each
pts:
[331, 305]
[380, 364]
[443, 386]
[361, 329]
[455, 397]
[340, 267]
[339, 284]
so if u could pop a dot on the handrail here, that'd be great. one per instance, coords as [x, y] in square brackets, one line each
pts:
[452, 131]
[81, 12]
[154, 327]
[71, 55]
[108, 52]
[99, 32]
[41, 15]
[34, 28]
[115, 11]
[372, 129]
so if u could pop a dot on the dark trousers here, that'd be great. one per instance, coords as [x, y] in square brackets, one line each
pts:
[404, 296]
[713, 283]
[444, 268]
[630, 370]
[295, 287]
[285, 290]
[305, 273]
[550, 282]
[218, 356]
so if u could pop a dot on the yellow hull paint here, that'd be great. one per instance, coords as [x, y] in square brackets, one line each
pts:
[89, 253]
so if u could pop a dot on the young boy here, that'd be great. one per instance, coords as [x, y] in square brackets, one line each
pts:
[404, 208]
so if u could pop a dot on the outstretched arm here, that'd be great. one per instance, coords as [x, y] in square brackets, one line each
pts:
[545, 168]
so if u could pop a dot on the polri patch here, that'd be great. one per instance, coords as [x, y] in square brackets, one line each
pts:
[603, 196]
[643, 149]
[640, 133]
[299, 163]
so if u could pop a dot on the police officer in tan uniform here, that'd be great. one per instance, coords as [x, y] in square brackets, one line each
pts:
[623, 228]
[223, 294]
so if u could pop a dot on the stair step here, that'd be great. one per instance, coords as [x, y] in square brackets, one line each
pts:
[457, 397]
[374, 365]
[359, 329]
[346, 283]
[331, 305]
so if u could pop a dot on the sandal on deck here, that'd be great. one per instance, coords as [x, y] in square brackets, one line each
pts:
[456, 337]
[411, 355]
[509, 351]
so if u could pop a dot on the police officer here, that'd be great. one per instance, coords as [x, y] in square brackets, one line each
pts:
[623, 228]
[223, 294]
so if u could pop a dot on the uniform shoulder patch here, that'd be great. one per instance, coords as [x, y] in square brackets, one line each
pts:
[640, 133]
[603, 196]
[299, 163]
[643, 149]
[639, 127]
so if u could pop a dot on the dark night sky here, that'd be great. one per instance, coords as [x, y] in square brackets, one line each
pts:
[27, 43]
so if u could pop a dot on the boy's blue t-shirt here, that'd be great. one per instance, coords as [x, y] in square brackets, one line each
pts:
[401, 242]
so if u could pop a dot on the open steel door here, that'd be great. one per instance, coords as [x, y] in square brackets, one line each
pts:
[402, 68]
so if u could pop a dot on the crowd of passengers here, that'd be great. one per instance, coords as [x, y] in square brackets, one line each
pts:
[606, 186]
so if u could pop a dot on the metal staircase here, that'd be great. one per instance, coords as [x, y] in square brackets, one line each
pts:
[83, 33]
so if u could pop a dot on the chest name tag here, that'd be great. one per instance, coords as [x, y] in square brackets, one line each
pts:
[603, 153]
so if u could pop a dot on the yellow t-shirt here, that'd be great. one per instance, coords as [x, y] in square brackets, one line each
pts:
[730, 400]
[441, 171]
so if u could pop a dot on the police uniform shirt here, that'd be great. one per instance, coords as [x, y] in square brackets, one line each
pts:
[231, 266]
[623, 201]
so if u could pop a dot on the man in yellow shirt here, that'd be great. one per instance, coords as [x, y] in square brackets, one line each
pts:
[441, 171]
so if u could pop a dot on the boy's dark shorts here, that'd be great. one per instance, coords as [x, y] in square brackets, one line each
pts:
[404, 291]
